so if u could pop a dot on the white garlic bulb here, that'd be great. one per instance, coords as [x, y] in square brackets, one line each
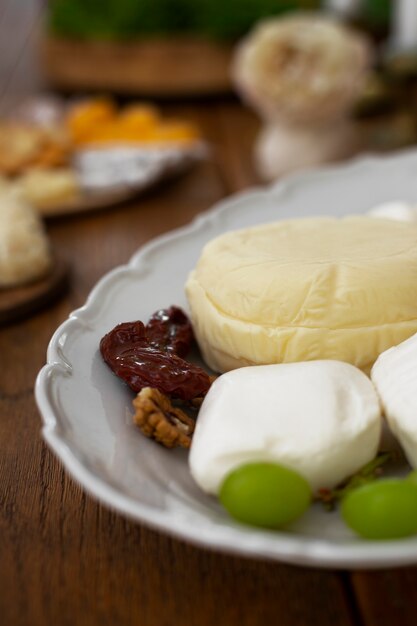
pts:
[301, 68]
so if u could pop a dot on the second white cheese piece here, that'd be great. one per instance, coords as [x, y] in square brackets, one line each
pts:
[320, 418]
[395, 210]
[395, 378]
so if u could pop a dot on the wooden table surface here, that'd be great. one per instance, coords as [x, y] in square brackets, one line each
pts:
[65, 560]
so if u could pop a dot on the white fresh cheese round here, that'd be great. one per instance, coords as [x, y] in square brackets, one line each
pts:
[395, 210]
[395, 378]
[320, 418]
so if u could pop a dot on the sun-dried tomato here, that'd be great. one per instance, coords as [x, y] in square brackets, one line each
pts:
[170, 330]
[151, 355]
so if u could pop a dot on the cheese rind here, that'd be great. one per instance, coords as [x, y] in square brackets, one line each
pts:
[395, 378]
[297, 290]
[319, 418]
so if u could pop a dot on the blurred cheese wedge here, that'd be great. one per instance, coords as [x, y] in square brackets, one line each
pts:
[396, 210]
[320, 418]
[299, 290]
[47, 189]
[395, 378]
[24, 248]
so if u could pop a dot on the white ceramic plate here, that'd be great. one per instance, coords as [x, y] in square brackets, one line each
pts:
[87, 411]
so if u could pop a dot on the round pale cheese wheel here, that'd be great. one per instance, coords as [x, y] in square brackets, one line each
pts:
[25, 253]
[304, 289]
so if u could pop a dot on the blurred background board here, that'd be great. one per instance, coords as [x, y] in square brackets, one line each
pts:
[151, 67]
[151, 47]
[22, 301]
[166, 47]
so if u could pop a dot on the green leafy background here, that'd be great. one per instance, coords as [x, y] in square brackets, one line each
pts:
[218, 19]
[123, 19]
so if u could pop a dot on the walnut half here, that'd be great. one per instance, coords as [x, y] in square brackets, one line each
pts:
[160, 420]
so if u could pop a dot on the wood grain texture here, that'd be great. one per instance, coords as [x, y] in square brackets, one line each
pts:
[387, 596]
[174, 66]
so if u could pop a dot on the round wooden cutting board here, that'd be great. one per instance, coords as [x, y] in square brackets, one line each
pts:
[18, 302]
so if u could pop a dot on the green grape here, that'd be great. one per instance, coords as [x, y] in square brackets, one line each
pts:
[386, 509]
[412, 476]
[265, 494]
